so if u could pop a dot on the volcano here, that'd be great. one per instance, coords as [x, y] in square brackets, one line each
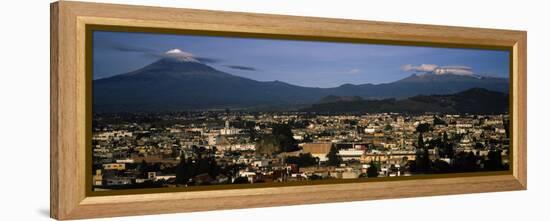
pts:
[179, 82]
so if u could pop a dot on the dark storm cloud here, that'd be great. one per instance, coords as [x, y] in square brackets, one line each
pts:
[127, 48]
[208, 60]
[239, 67]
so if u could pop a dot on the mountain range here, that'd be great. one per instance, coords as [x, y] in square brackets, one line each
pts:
[471, 101]
[178, 82]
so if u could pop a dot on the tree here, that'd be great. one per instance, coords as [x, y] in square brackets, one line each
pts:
[423, 127]
[315, 177]
[281, 139]
[267, 145]
[372, 171]
[214, 168]
[422, 155]
[252, 132]
[285, 138]
[241, 180]
[440, 166]
[425, 155]
[447, 146]
[479, 146]
[203, 165]
[507, 128]
[143, 167]
[214, 150]
[303, 160]
[465, 162]
[494, 161]
[175, 153]
[182, 177]
[439, 121]
[195, 149]
[411, 166]
[333, 158]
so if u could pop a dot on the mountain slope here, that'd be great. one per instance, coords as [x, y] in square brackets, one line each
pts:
[171, 84]
[179, 82]
[421, 84]
[472, 101]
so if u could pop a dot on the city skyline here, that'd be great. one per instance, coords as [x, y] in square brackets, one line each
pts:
[175, 111]
[301, 63]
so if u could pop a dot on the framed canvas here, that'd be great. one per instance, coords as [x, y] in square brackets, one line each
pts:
[163, 110]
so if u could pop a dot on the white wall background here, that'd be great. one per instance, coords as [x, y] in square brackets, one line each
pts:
[24, 109]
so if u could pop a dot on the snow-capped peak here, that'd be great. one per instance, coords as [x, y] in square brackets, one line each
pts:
[427, 69]
[456, 70]
[174, 51]
[180, 55]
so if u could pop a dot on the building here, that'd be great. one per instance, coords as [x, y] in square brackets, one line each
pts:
[351, 154]
[114, 166]
[395, 157]
[319, 150]
[105, 136]
[227, 130]
[260, 163]
[98, 178]
[115, 181]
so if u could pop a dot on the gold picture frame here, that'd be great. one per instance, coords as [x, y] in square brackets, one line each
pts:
[71, 23]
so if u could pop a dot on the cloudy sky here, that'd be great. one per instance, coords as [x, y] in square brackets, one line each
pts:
[304, 63]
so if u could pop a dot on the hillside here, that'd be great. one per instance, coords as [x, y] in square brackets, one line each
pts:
[473, 101]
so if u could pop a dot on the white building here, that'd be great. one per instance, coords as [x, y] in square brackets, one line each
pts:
[260, 163]
[123, 161]
[351, 154]
[227, 130]
[369, 130]
[108, 135]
